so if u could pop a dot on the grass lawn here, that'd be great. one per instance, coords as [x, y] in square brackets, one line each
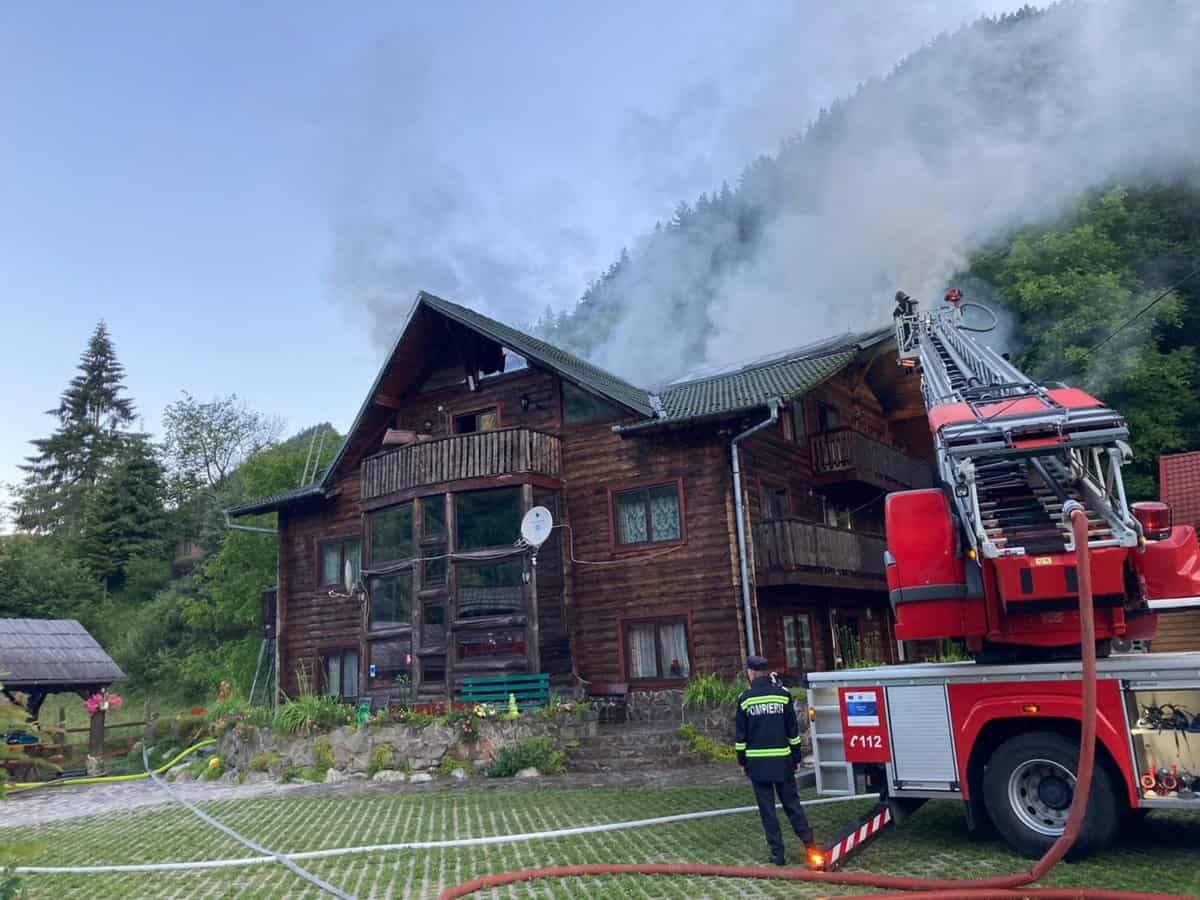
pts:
[1161, 855]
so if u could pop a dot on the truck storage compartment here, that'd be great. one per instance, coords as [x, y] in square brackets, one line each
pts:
[1165, 729]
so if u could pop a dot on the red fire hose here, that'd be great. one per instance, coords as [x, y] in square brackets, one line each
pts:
[997, 888]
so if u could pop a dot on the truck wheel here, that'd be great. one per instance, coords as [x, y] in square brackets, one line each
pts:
[1028, 784]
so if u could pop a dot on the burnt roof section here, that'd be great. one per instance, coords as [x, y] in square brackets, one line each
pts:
[49, 652]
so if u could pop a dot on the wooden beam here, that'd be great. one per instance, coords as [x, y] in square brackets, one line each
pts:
[451, 613]
[390, 401]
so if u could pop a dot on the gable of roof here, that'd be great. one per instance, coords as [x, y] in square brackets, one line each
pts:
[1179, 485]
[40, 652]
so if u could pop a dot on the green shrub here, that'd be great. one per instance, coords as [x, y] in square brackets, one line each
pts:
[707, 691]
[705, 746]
[449, 763]
[264, 761]
[309, 713]
[799, 694]
[323, 756]
[381, 758]
[214, 768]
[298, 773]
[536, 753]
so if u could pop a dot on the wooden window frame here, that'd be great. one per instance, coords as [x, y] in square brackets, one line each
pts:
[456, 414]
[647, 485]
[322, 543]
[341, 648]
[382, 638]
[665, 617]
[767, 484]
[822, 406]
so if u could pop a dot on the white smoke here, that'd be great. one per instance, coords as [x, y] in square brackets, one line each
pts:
[928, 167]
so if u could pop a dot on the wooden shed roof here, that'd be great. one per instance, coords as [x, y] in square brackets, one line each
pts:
[45, 652]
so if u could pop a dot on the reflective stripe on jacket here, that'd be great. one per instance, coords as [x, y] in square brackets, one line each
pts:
[767, 736]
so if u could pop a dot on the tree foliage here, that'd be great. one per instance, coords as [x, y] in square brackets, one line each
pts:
[37, 580]
[92, 414]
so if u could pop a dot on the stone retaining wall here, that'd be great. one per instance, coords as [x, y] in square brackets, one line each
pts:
[411, 748]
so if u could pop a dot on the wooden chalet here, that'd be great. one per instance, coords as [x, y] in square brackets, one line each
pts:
[470, 423]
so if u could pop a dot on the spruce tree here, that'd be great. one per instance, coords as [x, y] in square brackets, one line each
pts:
[124, 519]
[91, 414]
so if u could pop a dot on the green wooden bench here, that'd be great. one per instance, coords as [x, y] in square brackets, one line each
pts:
[531, 691]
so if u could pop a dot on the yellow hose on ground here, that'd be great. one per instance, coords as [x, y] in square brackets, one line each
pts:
[110, 779]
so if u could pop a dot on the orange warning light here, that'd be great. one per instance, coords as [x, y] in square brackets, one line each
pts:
[812, 714]
[1031, 708]
[816, 858]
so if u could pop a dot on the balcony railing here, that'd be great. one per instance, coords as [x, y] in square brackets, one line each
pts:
[796, 545]
[461, 457]
[848, 455]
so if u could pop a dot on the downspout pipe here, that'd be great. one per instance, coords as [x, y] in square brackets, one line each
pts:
[739, 510]
[229, 524]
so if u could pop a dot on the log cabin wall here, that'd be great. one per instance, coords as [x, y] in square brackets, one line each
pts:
[694, 581]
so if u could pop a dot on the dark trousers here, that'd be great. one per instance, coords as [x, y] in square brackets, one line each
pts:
[765, 793]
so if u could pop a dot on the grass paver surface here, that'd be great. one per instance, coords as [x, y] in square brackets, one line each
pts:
[1162, 853]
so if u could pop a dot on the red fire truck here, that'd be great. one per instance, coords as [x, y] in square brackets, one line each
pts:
[989, 559]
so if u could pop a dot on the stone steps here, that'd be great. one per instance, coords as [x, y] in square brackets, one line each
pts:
[617, 747]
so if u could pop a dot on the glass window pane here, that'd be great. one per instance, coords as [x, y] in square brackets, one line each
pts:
[433, 516]
[642, 651]
[484, 644]
[392, 660]
[331, 563]
[664, 513]
[391, 534]
[391, 600]
[352, 551]
[332, 664]
[488, 421]
[674, 649]
[434, 573]
[350, 673]
[807, 656]
[487, 518]
[496, 589]
[798, 420]
[631, 518]
[789, 643]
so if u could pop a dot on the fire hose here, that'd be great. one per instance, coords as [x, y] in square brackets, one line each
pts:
[1004, 887]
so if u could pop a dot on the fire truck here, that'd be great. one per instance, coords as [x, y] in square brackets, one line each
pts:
[988, 559]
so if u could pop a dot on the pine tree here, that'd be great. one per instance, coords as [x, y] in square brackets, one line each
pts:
[91, 414]
[124, 519]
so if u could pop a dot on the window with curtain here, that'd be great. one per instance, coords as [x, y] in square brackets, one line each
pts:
[798, 643]
[335, 555]
[391, 600]
[391, 534]
[648, 515]
[339, 669]
[657, 649]
[489, 518]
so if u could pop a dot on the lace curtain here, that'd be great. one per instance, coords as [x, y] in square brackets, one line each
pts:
[643, 656]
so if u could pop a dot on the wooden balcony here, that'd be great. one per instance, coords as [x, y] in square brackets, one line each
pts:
[844, 455]
[797, 551]
[462, 457]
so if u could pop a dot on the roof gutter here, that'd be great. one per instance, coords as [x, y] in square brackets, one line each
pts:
[739, 510]
[250, 528]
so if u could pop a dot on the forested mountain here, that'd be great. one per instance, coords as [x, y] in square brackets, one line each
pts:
[1045, 157]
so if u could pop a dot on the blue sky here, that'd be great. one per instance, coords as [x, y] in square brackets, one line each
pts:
[234, 187]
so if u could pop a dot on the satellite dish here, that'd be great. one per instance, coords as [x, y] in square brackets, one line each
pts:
[348, 578]
[536, 525]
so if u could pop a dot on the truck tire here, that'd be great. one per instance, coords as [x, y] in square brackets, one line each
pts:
[1027, 787]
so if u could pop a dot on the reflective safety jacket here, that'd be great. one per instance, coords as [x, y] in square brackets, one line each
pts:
[767, 736]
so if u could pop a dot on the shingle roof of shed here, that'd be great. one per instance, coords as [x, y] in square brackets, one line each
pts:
[37, 652]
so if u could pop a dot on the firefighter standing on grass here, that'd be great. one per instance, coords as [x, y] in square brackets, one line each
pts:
[768, 750]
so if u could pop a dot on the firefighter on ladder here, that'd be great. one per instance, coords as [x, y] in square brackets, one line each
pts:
[767, 741]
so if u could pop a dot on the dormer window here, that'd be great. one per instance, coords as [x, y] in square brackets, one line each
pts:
[487, 419]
